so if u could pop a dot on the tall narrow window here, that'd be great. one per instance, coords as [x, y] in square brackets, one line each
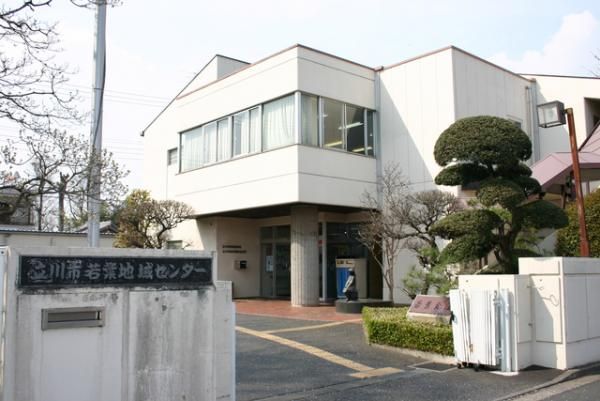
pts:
[254, 139]
[172, 157]
[241, 132]
[370, 134]
[278, 123]
[191, 149]
[310, 120]
[333, 124]
[355, 129]
[223, 140]
[210, 143]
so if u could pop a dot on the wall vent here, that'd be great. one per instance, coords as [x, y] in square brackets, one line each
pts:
[62, 318]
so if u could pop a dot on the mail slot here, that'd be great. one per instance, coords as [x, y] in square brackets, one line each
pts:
[61, 318]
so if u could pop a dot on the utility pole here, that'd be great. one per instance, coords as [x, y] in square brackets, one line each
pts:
[93, 232]
[584, 244]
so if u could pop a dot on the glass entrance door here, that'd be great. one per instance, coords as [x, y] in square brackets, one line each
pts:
[267, 274]
[282, 270]
[275, 273]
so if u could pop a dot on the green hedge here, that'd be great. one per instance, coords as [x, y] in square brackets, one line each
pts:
[389, 326]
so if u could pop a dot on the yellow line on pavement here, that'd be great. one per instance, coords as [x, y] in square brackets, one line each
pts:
[319, 353]
[301, 328]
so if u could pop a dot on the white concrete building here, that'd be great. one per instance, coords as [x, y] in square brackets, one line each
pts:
[274, 156]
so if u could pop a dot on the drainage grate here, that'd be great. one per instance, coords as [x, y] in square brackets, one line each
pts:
[437, 367]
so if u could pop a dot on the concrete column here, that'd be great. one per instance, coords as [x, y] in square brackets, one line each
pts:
[305, 256]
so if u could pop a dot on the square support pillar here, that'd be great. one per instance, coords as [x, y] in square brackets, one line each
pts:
[305, 256]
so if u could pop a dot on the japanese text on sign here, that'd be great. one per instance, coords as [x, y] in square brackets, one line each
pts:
[53, 271]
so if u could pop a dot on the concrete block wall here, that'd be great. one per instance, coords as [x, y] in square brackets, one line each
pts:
[155, 344]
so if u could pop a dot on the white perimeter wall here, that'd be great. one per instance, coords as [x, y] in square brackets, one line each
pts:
[51, 239]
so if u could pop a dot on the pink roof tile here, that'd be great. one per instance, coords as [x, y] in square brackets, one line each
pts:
[554, 170]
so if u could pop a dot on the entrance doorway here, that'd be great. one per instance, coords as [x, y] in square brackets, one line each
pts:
[275, 262]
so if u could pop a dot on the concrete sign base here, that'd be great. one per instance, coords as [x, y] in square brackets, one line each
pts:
[103, 342]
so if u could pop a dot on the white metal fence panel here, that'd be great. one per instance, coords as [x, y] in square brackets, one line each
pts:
[476, 326]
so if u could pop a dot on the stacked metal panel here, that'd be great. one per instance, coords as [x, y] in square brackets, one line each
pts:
[474, 326]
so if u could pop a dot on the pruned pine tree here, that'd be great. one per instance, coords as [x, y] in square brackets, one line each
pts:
[489, 153]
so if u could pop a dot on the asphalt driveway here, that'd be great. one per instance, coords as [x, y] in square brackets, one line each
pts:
[289, 359]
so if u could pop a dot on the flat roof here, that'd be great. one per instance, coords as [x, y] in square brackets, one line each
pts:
[181, 95]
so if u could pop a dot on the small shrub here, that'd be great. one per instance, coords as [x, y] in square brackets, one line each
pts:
[389, 326]
[567, 241]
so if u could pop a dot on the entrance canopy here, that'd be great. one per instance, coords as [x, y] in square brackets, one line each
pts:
[554, 170]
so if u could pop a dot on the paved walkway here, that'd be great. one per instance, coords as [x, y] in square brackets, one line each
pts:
[283, 308]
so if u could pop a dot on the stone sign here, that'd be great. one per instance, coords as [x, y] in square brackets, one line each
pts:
[75, 271]
[430, 308]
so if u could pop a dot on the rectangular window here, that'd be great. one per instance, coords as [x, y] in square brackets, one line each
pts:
[210, 143]
[241, 132]
[278, 123]
[310, 120]
[333, 124]
[355, 129]
[175, 244]
[370, 134]
[192, 149]
[223, 140]
[254, 144]
[172, 157]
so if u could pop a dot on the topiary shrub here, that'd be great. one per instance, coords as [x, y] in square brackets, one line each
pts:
[567, 241]
[488, 153]
[389, 326]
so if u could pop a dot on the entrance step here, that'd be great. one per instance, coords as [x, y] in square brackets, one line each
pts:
[343, 306]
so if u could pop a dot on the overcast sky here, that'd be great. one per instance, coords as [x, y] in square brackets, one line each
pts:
[154, 47]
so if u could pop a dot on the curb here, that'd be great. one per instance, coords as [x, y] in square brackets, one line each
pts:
[567, 375]
[428, 356]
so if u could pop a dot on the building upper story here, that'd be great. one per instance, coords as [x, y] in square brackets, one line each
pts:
[304, 126]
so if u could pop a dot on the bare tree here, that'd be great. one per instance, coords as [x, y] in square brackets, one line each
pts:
[56, 165]
[29, 77]
[383, 231]
[400, 219]
[421, 211]
[32, 92]
[145, 222]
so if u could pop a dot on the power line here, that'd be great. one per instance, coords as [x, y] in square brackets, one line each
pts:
[121, 92]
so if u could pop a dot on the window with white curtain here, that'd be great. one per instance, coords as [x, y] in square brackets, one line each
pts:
[223, 140]
[310, 120]
[241, 131]
[273, 124]
[191, 149]
[254, 140]
[210, 143]
[278, 123]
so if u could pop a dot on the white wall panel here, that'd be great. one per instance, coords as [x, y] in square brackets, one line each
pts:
[417, 104]
[576, 314]
[593, 304]
[484, 89]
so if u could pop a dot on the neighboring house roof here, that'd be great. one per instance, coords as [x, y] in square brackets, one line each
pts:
[555, 169]
[106, 227]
